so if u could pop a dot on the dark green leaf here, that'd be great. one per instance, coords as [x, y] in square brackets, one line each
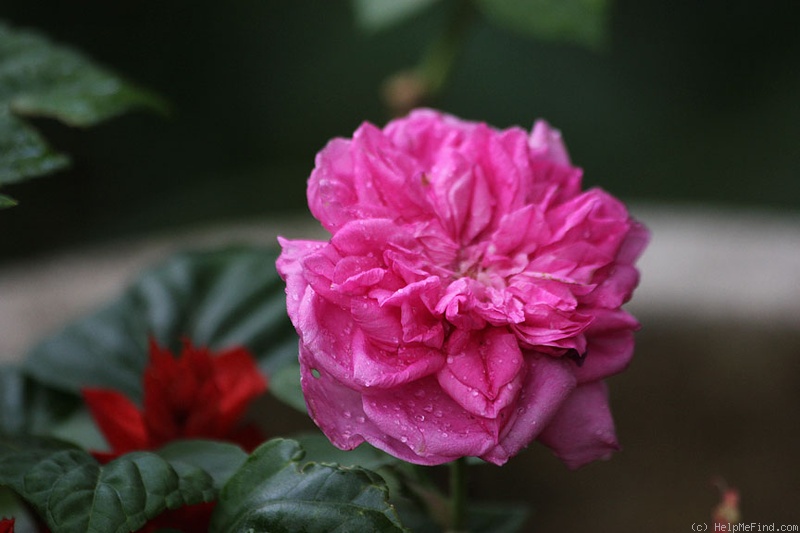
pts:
[583, 22]
[30, 407]
[320, 450]
[219, 299]
[6, 201]
[38, 78]
[285, 385]
[219, 459]
[274, 492]
[376, 15]
[73, 493]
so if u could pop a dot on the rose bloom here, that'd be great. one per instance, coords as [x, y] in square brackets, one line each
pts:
[468, 301]
[197, 395]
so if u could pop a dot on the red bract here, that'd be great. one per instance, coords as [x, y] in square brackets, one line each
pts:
[7, 525]
[188, 519]
[196, 395]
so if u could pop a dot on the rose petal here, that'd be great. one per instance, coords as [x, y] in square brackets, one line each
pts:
[290, 268]
[376, 368]
[421, 424]
[484, 370]
[609, 346]
[546, 143]
[582, 431]
[548, 383]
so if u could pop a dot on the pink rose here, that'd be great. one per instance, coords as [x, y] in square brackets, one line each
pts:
[468, 301]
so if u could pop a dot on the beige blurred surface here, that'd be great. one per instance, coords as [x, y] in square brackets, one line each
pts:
[713, 391]
[707, 265]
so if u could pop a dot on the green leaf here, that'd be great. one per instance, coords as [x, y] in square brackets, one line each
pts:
[376, 15]
[274, 492]
[39, 78]
[220, 299]
[319, 449]
[30, 407]
[285, 385]
[72, 492]
[582, 22]
[6, 201]
[220, 459]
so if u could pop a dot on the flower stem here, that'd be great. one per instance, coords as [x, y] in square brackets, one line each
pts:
[440, 58]
[458, 495]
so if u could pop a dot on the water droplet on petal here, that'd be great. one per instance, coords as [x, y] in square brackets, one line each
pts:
[419, 418]
[360, 419]
[403, 438]
[347, 414]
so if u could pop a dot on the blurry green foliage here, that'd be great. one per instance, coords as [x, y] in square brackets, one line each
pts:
[688, 102]
[40, 79]
[376, 15]
[579, 21]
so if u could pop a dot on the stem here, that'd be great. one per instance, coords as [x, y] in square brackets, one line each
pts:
[408, 89]
[439, 60]
[458, 495]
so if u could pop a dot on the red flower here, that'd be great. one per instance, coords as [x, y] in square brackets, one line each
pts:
[196, 395]
[188, 519]
[7, 525]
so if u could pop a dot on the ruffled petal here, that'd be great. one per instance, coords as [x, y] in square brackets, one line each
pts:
[609, 346]
[290, 268]
[582, 431]
[484, 371]
[334, 408]
[548, 383]
[421, 424]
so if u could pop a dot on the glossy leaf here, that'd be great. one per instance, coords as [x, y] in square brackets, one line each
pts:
[39, 78]
[72, 492]
[376, 15]
[319, 449]
[220, 299]
[220, 459]
[274, 491]
[583, 22]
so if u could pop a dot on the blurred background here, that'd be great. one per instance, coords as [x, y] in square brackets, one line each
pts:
[688, 110]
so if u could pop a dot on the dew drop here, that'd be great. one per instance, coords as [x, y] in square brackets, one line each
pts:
[474, 392]
[420, 393]
[347, 414]
[450, 359]
[403, 438]
[419, 418]
[428, 408]
[438, 414]
[315, 373]
[445, 435]
[360, 419]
